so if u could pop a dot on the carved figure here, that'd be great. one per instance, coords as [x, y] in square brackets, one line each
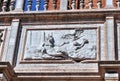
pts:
[49, 51]
[71, 45]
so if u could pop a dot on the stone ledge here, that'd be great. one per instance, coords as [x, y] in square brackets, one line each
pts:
[60, 12]
[7, 70]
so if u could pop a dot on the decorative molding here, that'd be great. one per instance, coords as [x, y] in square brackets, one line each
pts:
[108, 67]
[58, 59]
[12, 3]
[81, 4]
[38, 4]
[46, 4]
[2, 38]
[99, 4]
[90, 4]
[54, 4]
[7, 70]
[29, 5]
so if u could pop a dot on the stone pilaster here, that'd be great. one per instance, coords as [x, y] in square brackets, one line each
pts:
[19, 5]
[110, 42]
[109, 4]
[111, 77]
[12, 40]
[63, 4]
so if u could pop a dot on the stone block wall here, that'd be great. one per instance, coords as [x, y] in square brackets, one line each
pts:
[65, 45]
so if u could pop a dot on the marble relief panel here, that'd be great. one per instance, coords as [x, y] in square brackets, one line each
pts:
[2, 38]
[61, 44]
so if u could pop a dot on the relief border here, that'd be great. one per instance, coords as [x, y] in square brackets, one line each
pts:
[3, 41]
[22, 61]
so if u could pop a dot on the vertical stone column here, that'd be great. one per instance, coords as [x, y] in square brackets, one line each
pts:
[118, 37]
[12, 40]
[109, 38]
[19, 5]
[111, 77]
[109, 4]
[63, 4]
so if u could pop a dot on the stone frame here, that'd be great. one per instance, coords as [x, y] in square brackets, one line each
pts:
[3, 41]
[59, 61]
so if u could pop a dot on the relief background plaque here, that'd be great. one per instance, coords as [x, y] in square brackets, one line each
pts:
[76, 44]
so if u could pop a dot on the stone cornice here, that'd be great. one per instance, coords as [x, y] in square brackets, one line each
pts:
[59, 17]
[109, 67]
[103, 66]
[51, 13]
[7, 70]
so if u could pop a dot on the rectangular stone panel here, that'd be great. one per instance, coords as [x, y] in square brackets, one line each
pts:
[2, 39]
[118, 41]
[52, 45]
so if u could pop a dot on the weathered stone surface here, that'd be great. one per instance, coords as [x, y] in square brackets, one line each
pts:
[110, 37]
[63, 4]
[76, 44]
[109, 4]
[111, 77]
[68, 43]
[12, 40]
[19, 5]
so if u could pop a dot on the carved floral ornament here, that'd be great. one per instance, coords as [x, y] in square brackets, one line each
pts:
[76, 44]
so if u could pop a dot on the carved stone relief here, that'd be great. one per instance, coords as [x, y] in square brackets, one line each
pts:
[74, 44]
[1, 37]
